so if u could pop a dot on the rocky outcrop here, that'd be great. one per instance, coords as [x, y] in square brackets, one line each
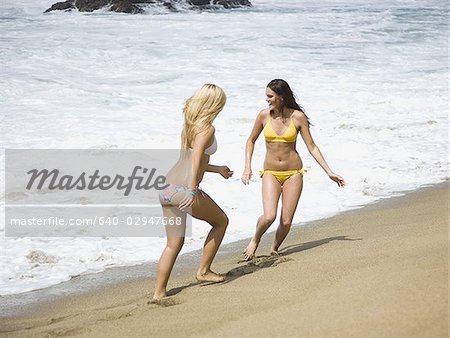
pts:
[90, 5]
[62, 6]
[136, 6]
[125, 7]
[223, 3]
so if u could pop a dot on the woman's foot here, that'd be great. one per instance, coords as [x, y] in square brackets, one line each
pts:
[210, 277]
[159, 295]
[249, 252]
[274, 253]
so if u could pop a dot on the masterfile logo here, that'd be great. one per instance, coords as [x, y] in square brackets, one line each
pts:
[87, 192]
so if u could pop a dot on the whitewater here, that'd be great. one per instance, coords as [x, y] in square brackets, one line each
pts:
[372, 77]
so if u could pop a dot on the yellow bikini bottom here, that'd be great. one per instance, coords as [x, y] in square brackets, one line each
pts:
[282, 175]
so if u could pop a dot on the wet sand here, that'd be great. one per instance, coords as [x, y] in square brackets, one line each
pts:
[380, 271]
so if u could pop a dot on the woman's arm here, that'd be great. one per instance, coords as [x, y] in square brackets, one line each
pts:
[314, 150]
[219, 169]
[250, 145]
[198, 148]
[211, 168]
[201, 141]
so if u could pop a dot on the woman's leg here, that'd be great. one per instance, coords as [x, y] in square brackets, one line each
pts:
[207, 210]
[271, 190]
[292, 189]
[175, 240]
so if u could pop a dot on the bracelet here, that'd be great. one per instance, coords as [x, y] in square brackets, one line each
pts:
[193, 193]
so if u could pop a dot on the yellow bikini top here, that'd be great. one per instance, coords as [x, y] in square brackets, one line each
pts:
[289, 135]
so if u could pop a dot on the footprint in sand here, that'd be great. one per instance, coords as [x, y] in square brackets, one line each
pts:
[257, 264]
[65, 332]
[164, 302]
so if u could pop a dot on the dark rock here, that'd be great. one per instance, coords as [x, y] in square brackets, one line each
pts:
[133, 6]
[199, 2]
[232, 3]
[124, 6]
[169, 6]
[90, 5]
[62, 6]
[224, 3]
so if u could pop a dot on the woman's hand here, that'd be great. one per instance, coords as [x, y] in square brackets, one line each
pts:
[225, 171]
[246, 176]
[338, 179]
[187, 200]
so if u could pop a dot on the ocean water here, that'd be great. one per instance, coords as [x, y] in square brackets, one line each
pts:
[372, 76]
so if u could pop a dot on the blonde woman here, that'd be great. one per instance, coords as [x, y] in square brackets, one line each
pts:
[183, 194]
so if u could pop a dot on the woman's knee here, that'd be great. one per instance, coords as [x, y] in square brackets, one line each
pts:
[223, 221]
[175, 243]
[269, 218]
[286, 223]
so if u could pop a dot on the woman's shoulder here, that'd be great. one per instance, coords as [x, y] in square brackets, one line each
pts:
[207, 131]
[299, 116]
[264, 113]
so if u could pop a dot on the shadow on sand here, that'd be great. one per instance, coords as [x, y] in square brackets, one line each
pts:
[262, 262]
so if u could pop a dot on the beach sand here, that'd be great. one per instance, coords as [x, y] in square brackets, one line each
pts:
[379, 271]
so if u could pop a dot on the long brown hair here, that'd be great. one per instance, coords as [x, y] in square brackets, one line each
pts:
[283, 89]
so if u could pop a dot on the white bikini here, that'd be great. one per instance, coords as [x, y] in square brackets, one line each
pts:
[166, 195]
[212, 148]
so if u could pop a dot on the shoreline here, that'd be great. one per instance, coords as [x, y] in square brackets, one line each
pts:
[24, 304]
[377, 271]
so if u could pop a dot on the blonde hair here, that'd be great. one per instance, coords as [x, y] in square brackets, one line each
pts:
[200, 110]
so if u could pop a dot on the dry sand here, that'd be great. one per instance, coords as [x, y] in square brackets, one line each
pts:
[380, 271]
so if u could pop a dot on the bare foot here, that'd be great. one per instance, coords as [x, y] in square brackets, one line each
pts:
[159, 295]
[275, 253]
[249, 252]
[164, 302]
[210, 277]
